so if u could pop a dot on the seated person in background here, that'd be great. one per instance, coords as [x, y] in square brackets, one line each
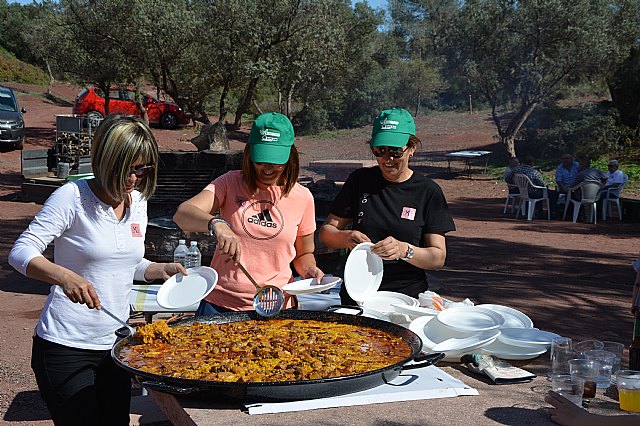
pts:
[513, 162]
[566, 173]
[614, 177]
[536, 178]
[587, 174]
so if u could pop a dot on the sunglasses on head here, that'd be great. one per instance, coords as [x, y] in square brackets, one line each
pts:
[393, 151]
[141, 171]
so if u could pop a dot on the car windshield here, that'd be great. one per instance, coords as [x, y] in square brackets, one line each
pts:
[7, 102]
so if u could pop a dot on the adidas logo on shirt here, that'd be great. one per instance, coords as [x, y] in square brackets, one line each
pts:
[263, 219]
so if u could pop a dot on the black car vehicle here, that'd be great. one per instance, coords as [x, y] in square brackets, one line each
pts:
[11, 121]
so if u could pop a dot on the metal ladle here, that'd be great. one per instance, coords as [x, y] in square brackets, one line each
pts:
[268, 299]
[108, 312]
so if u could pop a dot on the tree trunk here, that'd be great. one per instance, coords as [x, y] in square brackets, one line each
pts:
[212, 137]
[107, 96]
[223, 98]
[510, 144]
[257, 107]
[143, 111]
[417, 104]
[246, 102]
[51, 79]
[290, 100]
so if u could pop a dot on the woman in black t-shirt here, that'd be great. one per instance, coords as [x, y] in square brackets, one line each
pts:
[403, 213]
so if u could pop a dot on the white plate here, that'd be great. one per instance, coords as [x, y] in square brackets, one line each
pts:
[310, 285]
[502, 350]
[433, 332]
[513, 318]
[413, 311]
[470, 318]
[370, 313]
[526, 337]
[181, 291]
[457, 344]
[362, 272]
[381, 301]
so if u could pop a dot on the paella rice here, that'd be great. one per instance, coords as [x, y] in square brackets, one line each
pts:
[262, 351]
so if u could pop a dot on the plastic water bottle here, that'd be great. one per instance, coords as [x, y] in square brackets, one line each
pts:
[194, 257]
[180, 253]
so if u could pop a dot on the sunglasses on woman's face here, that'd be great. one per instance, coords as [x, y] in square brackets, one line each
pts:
[393, 151]
[141, 171]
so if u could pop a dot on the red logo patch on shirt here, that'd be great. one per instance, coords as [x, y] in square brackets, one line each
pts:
[408, 213]
[135, 230]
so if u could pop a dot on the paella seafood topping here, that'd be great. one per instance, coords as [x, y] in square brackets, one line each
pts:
[262, 351]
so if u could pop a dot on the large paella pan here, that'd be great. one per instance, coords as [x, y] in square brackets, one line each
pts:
[288, 389]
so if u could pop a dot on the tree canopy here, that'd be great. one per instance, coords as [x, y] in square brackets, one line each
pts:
[328, 63]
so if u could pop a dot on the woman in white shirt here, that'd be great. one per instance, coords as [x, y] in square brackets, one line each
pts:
[98, 228]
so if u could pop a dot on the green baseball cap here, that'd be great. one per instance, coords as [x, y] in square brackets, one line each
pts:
[271, 138]
[392, 127]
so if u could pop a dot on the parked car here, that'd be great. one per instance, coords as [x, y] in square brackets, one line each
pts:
[11, 121]
[90, 102]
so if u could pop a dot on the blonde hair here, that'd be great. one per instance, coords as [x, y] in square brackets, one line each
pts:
[120, 141]
[289, 175]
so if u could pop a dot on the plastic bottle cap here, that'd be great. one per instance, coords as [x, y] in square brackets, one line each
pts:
[194, 243]
[182, 241]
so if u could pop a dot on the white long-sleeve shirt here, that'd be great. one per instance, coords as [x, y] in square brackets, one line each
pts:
[89, 240]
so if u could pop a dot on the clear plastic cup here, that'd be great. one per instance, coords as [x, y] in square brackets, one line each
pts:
[587, 370]
[618, 349]
[606, 359]
[570, 387]
[586, 345]
[561, 353]
[628, 382]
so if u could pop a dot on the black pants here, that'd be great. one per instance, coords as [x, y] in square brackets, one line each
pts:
[81, 386]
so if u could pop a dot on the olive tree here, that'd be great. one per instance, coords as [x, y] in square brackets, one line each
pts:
[517, 54]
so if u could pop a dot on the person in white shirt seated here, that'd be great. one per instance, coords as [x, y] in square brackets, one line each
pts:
[615, 176]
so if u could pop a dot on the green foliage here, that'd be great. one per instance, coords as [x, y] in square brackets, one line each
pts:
[517, 54]
[12, 69]
[587, 130]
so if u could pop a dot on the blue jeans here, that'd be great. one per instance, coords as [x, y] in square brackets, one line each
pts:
[208, 308]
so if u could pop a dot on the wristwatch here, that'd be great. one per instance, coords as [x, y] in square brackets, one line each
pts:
[409, 254]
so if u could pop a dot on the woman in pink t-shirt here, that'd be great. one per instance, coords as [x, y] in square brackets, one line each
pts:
[266, 220]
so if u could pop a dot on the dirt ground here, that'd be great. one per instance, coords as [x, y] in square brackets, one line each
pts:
[572, 279]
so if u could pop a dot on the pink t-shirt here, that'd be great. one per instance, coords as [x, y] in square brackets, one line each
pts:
[268, 225]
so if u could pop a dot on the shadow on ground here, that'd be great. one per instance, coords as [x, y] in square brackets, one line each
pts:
[27, 406]
[536, 282]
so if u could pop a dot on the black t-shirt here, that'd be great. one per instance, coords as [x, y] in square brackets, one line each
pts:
[405, 211]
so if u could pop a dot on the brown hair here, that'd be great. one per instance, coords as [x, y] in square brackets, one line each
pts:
[118, 142]
[289, 175]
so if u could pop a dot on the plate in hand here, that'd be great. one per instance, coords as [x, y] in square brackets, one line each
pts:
[181, 291]
[309, 285]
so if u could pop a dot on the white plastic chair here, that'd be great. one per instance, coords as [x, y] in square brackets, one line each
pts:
[608, 200]
[524, 183]
[511, 197]
[590, 192]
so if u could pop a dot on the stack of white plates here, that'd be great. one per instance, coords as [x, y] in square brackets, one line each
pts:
[463, 330]
[457, 331]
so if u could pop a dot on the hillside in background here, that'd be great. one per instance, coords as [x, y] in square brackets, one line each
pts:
[14, 70]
